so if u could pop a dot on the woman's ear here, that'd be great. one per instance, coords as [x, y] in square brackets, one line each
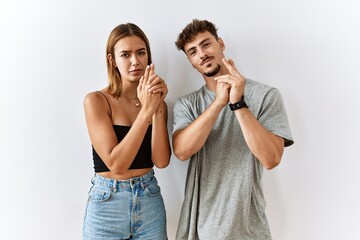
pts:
[111, 60]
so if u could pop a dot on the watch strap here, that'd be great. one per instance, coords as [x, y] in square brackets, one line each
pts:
[238, 105]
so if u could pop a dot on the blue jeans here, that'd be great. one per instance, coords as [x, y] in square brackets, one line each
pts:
[125, 209]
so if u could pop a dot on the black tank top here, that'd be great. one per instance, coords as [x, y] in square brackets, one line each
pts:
[142, 158]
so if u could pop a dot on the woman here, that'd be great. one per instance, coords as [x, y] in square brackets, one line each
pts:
[127, 124]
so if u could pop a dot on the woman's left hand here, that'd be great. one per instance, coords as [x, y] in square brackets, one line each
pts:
[156, 84]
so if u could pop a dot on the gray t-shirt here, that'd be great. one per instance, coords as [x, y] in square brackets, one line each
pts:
[223, 191]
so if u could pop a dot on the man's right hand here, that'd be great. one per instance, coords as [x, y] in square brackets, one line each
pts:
[222, 93]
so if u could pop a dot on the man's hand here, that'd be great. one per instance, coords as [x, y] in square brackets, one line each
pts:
[234, 79]
[222, 93]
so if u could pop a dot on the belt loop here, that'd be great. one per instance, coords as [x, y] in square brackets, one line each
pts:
[132, 182]
[93, 179]
[114, 185]
[142, 183]
[144, 180]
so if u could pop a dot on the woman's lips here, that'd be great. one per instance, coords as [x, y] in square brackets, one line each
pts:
[136, 71]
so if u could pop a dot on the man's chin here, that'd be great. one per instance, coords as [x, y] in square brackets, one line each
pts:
[213, 72]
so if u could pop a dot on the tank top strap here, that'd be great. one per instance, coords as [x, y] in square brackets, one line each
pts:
[107, 102]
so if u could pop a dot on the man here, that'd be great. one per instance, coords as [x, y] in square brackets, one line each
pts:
[230, 129]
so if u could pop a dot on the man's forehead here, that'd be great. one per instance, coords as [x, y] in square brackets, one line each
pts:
[199, 38]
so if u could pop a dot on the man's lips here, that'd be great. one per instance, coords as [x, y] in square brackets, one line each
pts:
[206, 60]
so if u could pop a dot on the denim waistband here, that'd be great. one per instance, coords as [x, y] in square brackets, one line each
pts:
[124, 184]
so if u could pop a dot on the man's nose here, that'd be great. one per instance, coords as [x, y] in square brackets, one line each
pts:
[202, 54]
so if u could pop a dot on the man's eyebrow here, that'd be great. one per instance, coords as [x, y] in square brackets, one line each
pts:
[206, 39]
[190, 50]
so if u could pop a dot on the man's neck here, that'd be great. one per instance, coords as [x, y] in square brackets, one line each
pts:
[210, 83]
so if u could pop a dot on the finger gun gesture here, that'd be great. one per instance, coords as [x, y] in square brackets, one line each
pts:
[234, 79]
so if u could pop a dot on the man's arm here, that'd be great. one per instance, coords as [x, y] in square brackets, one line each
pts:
[266, 146]
[188, 141]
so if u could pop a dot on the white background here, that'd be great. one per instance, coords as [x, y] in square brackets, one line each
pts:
[53, 52]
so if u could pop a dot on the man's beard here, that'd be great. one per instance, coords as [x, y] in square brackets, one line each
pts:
[213, 72]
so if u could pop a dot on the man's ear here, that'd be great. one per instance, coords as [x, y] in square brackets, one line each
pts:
[111, 60]
[221, 43]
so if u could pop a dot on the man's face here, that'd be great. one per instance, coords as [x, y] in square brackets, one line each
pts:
[205, 53]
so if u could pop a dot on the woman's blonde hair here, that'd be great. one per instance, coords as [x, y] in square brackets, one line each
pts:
[119, 32]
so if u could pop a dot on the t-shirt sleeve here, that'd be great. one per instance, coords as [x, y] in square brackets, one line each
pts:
[273, 116]
[182, 114]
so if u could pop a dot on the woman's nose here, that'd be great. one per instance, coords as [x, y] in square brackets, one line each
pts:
[134, 60]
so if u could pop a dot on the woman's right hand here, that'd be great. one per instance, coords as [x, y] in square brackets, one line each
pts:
[149, 101]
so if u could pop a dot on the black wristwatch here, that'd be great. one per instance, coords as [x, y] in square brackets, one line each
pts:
[238, 105]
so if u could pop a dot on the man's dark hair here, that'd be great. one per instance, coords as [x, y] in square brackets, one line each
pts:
[192, 30]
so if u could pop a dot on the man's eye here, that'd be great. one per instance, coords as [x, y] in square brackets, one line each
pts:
[124, 55]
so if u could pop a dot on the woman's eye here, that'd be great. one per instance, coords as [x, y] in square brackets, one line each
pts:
[124, 55]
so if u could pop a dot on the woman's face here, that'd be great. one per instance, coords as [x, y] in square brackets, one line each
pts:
[131, 58]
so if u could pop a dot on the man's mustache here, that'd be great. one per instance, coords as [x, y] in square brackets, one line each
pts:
[205, 60]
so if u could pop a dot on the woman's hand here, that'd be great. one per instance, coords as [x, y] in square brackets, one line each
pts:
[156, 84]
[149, 101]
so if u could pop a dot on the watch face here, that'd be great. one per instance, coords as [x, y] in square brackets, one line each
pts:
[238, 105]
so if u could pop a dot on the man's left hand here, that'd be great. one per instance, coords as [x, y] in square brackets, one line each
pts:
[234, 79]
